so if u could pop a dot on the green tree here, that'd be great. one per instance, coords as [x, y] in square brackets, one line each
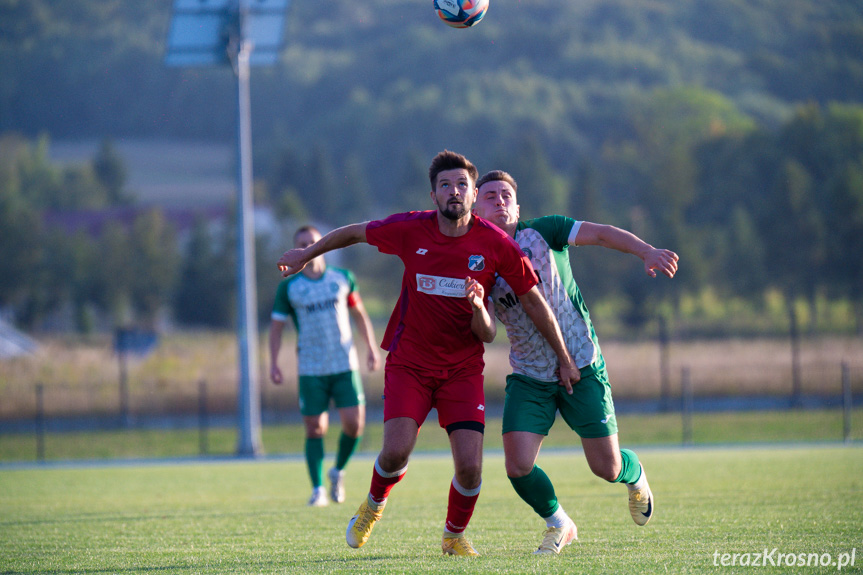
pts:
[207, 286]
[542, 190]
[19, 246]
[155, 263]
[111, 271]
[111, 173]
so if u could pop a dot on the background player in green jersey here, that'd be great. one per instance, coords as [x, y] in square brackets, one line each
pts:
[319, 301]
[534, 393]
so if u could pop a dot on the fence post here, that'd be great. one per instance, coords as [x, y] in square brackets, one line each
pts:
[124, 388]
[847, 400]
[203, 446]
[796, 383]
[40, 422]
[664, 378]
[688, 404]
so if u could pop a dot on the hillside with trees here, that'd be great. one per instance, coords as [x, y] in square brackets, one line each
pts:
[728, 130]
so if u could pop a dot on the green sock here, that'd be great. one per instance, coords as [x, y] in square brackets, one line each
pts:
[536, 490]
[630, 468]
[315, 459]
[347, 446]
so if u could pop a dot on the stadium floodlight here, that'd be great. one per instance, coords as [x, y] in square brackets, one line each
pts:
[241, 33]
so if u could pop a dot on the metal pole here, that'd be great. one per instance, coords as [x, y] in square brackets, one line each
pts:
[249, 440]
[796, 383]
[688, 404]
[846, 403]
[664, 377]
[40, 422]
[203, 423]
[124, 388]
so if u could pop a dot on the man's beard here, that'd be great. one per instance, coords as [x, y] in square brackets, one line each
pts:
[454, 212]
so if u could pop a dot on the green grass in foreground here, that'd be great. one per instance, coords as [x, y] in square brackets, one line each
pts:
[653, 429]
[250, 517]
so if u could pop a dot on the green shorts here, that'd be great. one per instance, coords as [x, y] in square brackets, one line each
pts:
[532, 405]
[345, 389]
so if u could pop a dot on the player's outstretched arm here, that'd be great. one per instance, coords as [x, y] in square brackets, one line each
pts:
[293, 261]
[482, 323]
[590, 234]
[538, 310]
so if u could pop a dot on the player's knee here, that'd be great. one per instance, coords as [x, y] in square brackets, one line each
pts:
[608, 470]
[518, 468]
[469, 476]
[391, 459]
[353, 428]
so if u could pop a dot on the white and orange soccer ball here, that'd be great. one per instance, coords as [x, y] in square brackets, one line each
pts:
[461, 13]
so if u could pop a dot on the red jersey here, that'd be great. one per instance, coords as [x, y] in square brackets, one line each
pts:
[430, 325]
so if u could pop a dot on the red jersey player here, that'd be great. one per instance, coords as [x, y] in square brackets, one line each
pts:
[436, 332]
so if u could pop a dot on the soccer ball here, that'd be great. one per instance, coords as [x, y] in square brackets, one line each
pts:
[461, 13]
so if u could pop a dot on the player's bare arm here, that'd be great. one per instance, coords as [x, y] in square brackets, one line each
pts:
[538, 310]
[275, 341]
[293, 261]
[482, 323]
[367, 332]
[590, 234]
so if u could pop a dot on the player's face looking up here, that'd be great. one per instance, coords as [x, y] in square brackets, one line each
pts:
[305, 238]
[496, 202]
[454, 193]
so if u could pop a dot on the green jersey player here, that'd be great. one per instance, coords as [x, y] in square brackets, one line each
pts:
[534, 393]
[320, 302]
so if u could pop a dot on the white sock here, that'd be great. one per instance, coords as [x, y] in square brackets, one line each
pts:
[640, 483]
[376, 505]
[558, 519]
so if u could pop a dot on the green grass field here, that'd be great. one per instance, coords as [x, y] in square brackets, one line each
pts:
[250, 516]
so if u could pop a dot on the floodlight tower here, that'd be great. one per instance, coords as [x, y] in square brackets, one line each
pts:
[241, 33]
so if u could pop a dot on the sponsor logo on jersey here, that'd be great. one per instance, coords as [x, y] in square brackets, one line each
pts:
[476, 263]
[509, 300]
[437, 285]
[422, 251]
[321, 305]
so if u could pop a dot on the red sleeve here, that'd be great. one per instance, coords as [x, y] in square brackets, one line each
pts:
[353, 299]
[386, 234]
[520, 276]
[515, 267]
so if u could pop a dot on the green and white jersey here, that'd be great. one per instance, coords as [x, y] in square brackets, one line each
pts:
[546, 242]
[319, 310]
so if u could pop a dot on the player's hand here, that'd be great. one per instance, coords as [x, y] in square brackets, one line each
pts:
[474, 292]
[662, 260]
[292, 261]
[569, 375]
[373, 361]
[276, 375]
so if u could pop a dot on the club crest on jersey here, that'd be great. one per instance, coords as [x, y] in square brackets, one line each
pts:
[476, 263]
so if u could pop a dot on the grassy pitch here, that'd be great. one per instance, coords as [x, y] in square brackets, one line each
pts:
[713, 505]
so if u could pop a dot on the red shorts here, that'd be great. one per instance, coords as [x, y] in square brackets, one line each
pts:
[457, 394]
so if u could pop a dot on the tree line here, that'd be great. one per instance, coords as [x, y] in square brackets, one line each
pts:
[728, 131]
[751, 211]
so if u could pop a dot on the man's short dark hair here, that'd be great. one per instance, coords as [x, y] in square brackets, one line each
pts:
[497, 176]
[447, 160]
